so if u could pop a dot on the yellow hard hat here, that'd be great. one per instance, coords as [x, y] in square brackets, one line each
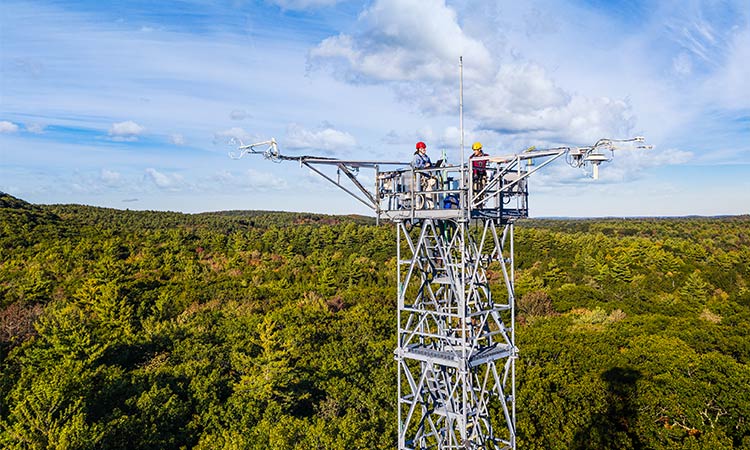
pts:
[476, 146]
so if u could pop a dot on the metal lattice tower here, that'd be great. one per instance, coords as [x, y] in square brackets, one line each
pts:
[456, 341]
[455, 354]
[456, 347]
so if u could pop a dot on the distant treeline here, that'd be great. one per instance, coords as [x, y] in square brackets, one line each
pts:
[263, 330]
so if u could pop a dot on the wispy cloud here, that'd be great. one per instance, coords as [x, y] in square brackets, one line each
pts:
[702, 31]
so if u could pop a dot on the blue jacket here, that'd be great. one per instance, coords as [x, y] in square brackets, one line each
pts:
[421, 161]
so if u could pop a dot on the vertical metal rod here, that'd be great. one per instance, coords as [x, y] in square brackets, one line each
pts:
[401, 433]
[513, 335]
[464, 225]
[461, 111]
[464, 332]
[377, 202]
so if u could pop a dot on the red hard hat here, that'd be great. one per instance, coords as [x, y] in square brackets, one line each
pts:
[421, 144]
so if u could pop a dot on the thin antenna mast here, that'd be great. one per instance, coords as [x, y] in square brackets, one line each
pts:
[461, 108]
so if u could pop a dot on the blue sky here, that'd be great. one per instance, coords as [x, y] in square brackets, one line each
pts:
[133, 104]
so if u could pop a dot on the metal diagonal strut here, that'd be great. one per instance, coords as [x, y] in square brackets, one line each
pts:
[456, 343]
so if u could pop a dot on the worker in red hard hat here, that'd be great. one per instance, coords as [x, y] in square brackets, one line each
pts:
[421, 160]
[426, 181]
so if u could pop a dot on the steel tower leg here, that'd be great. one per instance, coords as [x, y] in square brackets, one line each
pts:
[456, 344]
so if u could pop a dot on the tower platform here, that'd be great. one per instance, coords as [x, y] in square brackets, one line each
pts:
[452, 193]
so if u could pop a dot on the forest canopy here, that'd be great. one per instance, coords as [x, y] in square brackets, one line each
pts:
[257, 330]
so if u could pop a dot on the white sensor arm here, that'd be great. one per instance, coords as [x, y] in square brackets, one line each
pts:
[271, 152]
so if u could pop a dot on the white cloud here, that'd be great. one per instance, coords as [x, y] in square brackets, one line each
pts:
[414, 47]
[125, 131]
[8, 127]
[402, 41]
[538, 109]
[177, 139]
[325, 138]
[170, 182]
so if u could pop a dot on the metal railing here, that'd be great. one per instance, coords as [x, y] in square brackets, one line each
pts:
[493, 193]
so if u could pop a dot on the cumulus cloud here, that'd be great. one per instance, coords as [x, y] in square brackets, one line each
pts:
[325, 138]
[125, 131]
[414, 46]
[8, 127]
[525, 100]
[404, 40]
[170, 182]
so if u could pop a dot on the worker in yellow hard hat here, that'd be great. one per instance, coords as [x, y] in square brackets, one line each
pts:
[478, 167]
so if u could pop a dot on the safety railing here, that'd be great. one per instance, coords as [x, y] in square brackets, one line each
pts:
[437, 193]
